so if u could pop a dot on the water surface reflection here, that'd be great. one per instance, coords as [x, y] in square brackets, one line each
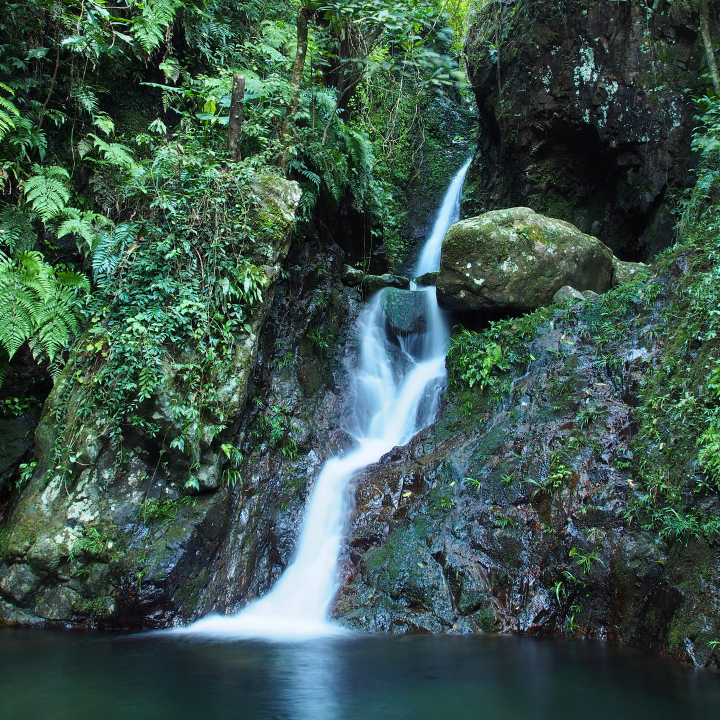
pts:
[56, 675]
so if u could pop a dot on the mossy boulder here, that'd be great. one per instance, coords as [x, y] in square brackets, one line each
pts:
[106, 534]
[627, 271]
[515, 261]
[405, 310]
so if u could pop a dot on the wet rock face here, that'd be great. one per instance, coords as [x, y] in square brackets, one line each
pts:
[587, 115]
[512, 514]
[111, 539]
[516, 260]
[293, 424]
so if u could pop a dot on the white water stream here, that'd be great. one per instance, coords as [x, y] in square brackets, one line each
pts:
[396, 395]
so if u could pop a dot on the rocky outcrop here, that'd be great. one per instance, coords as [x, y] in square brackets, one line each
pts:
[515, 512]
[372, 283]
[624, 272]
[109, 536]
[290, 428]
[515, 260]
[586, 113]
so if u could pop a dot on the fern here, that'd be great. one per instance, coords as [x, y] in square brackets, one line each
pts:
[38, 304]
[104, 124]
[83, 224]
[8, 111]
[299, 166]
[149, 27]
[47, 192]
[85, 99]
[16, 231]
[57, 322]
[109, 249]
[27, 137]
[113, 153]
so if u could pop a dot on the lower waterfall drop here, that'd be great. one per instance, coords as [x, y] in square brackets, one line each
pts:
[396, 394]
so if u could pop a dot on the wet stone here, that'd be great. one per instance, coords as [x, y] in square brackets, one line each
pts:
[405, 310]
[373, 283]
[18, 583]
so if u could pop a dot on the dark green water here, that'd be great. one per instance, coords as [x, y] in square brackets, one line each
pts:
[59, 675]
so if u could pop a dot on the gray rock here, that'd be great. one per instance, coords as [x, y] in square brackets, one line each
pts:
[373, 283]
[405, 310]
[17, 439]
[57, 603]
[18, 583]
[567, 293]
[626, 271]
[352, 277]
[428, 279]
[515, 260]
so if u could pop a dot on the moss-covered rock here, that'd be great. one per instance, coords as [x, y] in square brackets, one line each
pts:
[515, 260]
[405, 310]
[586, 113]
[624, 272]
[106, 534]
[373, 283]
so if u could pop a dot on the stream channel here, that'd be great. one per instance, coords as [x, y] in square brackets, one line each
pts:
[281, 657]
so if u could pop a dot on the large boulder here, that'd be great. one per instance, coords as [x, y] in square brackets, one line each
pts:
[515, 261]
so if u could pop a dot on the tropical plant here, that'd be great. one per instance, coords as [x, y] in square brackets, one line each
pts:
[38, 303]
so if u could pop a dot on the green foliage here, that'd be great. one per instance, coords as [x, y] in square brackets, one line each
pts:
[38, 303]
[484, 357]
[163, 511]
[93, 544]
[676, 476]
[275, 426]
[47, 191]
[8, 112]
[585, 560]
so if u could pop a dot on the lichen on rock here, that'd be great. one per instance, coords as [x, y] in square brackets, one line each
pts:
[516, 260]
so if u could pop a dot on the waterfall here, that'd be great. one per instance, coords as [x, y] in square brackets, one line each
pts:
[395, 395]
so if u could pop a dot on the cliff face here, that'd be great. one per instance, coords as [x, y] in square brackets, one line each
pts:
[586, 114]
[525, 508]
[108, 536]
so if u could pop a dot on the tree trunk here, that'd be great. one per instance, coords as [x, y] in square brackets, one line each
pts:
[296, 79]
[707, 40]
[299, 64]
[236, 117]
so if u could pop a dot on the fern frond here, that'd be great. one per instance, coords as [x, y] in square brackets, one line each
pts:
[149, 27]
[18, 306]
[72, 279]
[37, 304]
[4, 368]
[8, 112]
[104, 124]
[109, 249]
[47, 192]
[16, 230]
[81, 226]
[114, 153]
[85, 99]
[57, 323]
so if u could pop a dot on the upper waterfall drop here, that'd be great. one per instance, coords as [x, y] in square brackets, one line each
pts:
[449, 213]
[395, 395]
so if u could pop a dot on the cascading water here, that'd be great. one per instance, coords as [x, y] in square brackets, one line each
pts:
[396, 395]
